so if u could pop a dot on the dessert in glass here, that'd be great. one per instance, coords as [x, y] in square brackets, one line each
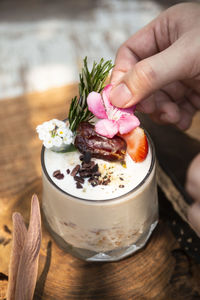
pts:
[99, 185]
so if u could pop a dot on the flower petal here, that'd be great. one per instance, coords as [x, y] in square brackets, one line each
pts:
[105, 95]
[95, 105]
[107, 128]
[127, 123]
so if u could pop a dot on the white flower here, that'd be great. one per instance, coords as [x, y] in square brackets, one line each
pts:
[48, 126]
[44, 135]
[60, 123]
[69, 137]
[62, 131]
[55, 133]
[67, 140]
[48, 143]
[44, 128]
[57, 141]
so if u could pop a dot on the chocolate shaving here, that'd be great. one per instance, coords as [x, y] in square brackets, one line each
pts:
[85, 173]
[88, 169]
[97, 174]
[68, 171]
[79, 185]
[88, 165]
[95, 168]
[75, 170]
[55, 173]
[87, 157]
[79, 179]
[106, 182]
[92, 179]
[94, 182]
[58, 175]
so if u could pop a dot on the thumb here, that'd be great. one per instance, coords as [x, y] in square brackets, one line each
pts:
[149, 75]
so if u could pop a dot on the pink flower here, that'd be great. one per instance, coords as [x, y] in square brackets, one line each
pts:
[114, 119]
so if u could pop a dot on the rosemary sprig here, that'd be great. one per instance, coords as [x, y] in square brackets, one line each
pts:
[89, 81]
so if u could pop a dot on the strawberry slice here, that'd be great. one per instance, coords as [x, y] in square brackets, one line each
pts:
[137, 144]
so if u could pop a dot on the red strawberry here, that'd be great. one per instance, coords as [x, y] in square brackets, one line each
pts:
[137, 144]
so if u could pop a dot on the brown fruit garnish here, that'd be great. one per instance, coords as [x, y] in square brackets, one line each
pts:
[87, 140]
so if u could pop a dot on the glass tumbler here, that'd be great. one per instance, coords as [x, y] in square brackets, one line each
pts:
[102, 230]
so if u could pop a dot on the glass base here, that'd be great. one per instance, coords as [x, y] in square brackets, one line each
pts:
[109, 256]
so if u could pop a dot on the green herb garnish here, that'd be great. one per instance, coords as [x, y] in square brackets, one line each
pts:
[89, 81]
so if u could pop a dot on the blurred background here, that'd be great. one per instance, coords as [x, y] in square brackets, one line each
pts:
[42, 42]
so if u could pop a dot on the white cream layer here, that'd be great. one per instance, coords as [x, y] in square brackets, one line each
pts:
[132, 175]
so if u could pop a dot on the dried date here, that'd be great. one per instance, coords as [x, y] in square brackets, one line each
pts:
[87, 140]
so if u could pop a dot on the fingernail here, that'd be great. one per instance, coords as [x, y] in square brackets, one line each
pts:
[120, 95]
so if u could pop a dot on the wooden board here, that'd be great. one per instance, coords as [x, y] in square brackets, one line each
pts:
[160, 271]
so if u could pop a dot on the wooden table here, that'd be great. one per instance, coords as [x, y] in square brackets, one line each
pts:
[160, 271]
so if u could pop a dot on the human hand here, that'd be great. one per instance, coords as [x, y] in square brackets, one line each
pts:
[159, 67]
[193, 188]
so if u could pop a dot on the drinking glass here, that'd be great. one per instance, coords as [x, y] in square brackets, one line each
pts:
[102, 230]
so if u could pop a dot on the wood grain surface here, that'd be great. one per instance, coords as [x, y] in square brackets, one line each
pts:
[160, 271]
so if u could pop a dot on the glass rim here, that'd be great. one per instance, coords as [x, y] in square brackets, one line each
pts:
[106, 200]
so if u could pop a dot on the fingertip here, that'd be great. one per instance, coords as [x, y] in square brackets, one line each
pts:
[169, 117]
[169, 113]
[147, 106]
[183, 126]
[185, 122]
[121, 96]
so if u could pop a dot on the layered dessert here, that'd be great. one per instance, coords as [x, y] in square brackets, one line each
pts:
[99, 187]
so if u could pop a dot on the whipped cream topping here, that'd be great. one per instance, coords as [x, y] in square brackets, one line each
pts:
[123, 178]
